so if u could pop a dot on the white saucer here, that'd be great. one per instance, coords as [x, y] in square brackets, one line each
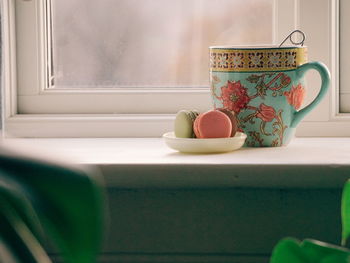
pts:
[214, 145]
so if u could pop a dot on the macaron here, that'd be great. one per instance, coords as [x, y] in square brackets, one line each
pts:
[212, 124]
[233, 120]
[183, 126]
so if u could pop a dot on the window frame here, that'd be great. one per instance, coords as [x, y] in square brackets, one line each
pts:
[344, 60]
[115, 118]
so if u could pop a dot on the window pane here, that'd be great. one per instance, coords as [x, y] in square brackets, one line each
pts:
[149, 43]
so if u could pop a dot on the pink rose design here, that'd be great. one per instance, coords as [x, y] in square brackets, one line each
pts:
[234, 96]
[295, 96]
[266, 113]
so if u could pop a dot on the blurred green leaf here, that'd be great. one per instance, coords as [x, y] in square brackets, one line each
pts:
[316, 251]
[345, 213]
[13, 195]
[288, 250]
[68, 202]
[313, 251]
[336, 259]
[21, 243]
[308, 251]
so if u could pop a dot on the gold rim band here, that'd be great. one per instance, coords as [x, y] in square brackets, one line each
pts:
[250, 60]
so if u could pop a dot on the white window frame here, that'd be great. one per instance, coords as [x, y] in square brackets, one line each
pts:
[32, 111]
[345, 56]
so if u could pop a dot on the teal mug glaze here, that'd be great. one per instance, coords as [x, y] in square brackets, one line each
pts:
[265, 88]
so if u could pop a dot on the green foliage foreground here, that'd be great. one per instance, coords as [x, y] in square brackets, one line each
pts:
[42, 201]
[290, 250]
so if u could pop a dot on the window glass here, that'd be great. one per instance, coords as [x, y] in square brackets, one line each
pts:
[149, 43]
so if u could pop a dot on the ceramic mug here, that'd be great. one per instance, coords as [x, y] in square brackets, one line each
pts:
[265, 88]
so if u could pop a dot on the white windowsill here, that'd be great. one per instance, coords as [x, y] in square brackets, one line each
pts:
[148, 162]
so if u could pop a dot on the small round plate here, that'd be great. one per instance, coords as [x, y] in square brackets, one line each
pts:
[212, 145]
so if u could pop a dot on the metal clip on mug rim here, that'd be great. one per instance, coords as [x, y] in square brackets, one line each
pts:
[301, 43]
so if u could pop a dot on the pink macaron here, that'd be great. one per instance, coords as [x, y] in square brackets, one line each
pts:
[212, 124]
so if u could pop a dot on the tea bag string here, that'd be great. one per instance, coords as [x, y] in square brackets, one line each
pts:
[291, 40]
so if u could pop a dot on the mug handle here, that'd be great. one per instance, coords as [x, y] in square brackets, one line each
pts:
[325, 79]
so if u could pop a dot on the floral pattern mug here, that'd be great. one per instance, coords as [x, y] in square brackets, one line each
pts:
[265, 88]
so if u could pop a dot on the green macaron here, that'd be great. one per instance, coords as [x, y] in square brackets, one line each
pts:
[184, 120]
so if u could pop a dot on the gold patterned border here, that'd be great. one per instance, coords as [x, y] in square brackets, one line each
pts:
[239, 60]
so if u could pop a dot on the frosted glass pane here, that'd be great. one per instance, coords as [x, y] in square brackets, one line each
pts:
[149, 43]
